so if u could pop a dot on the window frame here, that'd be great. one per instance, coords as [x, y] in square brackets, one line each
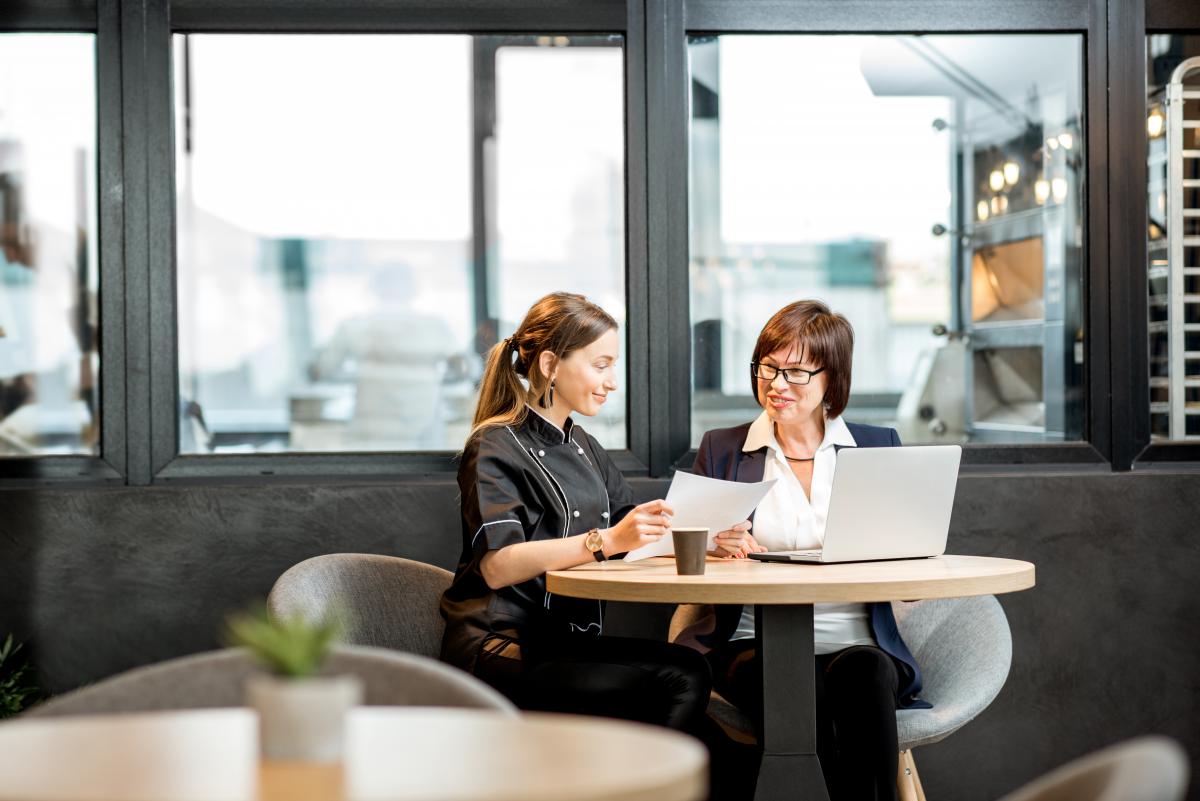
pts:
[1175, 17]
[671, 22]
[109, 467]
[167, 465]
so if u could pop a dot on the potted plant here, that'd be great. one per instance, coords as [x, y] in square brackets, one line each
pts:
[17, 690]
[301, 713]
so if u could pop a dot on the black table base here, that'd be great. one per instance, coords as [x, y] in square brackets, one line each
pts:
[790, 767]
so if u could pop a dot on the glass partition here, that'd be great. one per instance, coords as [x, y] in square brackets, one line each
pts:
[930, 188]
[361, 217]
[49, 272]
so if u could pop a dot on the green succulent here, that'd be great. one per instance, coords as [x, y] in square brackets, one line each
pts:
[17, 690]
[294, 647]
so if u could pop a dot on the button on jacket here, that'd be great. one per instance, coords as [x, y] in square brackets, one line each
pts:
[532, 481]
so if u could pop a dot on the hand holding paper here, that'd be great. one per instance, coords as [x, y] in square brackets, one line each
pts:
[710, 502]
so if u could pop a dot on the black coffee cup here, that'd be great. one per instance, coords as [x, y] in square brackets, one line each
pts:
[691, 547]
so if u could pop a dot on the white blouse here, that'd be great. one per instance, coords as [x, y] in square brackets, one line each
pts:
[787, 521]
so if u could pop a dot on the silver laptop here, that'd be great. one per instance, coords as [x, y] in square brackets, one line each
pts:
[886, 503]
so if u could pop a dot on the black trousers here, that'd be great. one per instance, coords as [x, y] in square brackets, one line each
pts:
[617, 677]
[856, 695]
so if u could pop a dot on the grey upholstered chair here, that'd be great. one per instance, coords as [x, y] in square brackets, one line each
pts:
[386, 601]
[964, 648]
[216, 679]
[1145, 769]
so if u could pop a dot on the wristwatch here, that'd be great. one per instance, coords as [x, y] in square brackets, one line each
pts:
[594, 542]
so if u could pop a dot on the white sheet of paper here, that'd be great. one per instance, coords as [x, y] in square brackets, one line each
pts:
[703, 501]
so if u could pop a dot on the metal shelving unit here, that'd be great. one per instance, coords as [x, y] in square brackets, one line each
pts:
[1173, 250]
[1014, 312]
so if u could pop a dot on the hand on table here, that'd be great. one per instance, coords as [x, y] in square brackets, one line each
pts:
[736, 542]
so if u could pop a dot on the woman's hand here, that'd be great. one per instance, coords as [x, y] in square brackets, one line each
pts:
[736, 542]
[645, 524]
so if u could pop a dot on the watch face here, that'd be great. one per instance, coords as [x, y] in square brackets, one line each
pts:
[594, 541]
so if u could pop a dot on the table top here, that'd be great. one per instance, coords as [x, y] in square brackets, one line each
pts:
[748, 581]
[392, 753]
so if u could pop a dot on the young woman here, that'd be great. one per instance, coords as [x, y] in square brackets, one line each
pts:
[538, 493]
[800, 376]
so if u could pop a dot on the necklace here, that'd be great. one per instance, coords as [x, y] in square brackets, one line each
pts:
[792, 459]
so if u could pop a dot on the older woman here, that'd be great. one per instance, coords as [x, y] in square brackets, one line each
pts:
[800, 376]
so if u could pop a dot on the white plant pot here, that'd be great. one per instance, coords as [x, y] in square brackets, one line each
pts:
[303, 719]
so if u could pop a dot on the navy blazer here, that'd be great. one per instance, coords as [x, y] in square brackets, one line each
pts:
[721, 456]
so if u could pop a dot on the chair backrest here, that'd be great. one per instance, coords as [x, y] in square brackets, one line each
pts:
[964, 648]
[216, 679]
[386, 601]
[1145, 769]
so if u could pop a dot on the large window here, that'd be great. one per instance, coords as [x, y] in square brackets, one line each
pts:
[49, 278]
[930, 188]
[361, 217]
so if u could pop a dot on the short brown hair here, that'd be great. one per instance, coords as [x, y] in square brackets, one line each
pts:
[822, 337]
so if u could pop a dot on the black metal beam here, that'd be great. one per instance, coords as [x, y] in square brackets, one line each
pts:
[49, 15]
[1127, 327]
[885, 16]
[483, 130]
[136, 22]
[379, 16]
[638, 301]
[111, 221]
[667, 240]
[162, 314]
[1096, 364]
[1172, 15]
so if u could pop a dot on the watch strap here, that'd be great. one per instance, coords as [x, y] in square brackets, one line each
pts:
[593, 535]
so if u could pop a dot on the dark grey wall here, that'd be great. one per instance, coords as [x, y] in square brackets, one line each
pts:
[1106, 646]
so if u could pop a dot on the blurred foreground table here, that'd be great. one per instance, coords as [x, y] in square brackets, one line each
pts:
[393, 754]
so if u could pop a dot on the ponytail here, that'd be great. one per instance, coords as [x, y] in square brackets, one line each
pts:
[501, 392]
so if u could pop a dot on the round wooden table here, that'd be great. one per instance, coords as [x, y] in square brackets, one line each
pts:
[783, 595]
[392, 753]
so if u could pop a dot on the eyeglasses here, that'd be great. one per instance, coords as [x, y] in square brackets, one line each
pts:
[792, 375]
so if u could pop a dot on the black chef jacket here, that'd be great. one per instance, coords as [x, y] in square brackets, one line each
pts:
[532, 481]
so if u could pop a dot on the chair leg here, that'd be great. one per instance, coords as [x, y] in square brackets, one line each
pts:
[908, 782]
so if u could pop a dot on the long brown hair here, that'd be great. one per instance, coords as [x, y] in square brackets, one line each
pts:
[824, 337]
[560, 323]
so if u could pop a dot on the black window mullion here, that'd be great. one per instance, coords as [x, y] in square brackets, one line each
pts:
[147, 229]
[50, 15]
[637, 297]
[667, 243]
[1097, 317]
[164, 300]
[872, 16]
[1172, 15]
[413, 16]
[111, 219]
[1127, 324]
